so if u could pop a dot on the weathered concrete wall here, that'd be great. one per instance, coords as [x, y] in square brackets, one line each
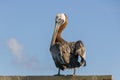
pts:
[104, 77]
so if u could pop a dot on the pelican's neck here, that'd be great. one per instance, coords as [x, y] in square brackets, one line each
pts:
[59, 38]
[59, 35]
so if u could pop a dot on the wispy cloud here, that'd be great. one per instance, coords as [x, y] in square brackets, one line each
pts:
[17, 49]
[20, 57]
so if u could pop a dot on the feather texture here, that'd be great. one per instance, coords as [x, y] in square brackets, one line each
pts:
[65, 54]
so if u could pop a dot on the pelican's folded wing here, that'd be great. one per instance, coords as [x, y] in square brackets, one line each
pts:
[81, 50]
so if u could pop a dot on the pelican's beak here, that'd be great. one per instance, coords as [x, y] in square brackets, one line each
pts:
[57, 26]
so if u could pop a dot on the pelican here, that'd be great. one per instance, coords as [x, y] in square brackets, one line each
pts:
[65, 54]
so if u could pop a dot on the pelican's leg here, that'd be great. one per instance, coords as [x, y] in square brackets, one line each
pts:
[58, 74]
[58, 71]
[74, 71]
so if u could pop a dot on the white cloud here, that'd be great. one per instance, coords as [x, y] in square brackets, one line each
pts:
[20, 57]
[17, 49]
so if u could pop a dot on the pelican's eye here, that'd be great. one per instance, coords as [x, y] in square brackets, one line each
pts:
[60, 21]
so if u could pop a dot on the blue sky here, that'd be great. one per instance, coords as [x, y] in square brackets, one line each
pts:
[26, 29]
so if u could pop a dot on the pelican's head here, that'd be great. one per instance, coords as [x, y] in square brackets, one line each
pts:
[60, 19]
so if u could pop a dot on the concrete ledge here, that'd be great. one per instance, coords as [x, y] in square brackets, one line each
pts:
[92, 77]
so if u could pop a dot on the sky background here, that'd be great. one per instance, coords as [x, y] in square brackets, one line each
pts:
[26, 28]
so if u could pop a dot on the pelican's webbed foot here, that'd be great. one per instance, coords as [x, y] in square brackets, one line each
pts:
[58, 74]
